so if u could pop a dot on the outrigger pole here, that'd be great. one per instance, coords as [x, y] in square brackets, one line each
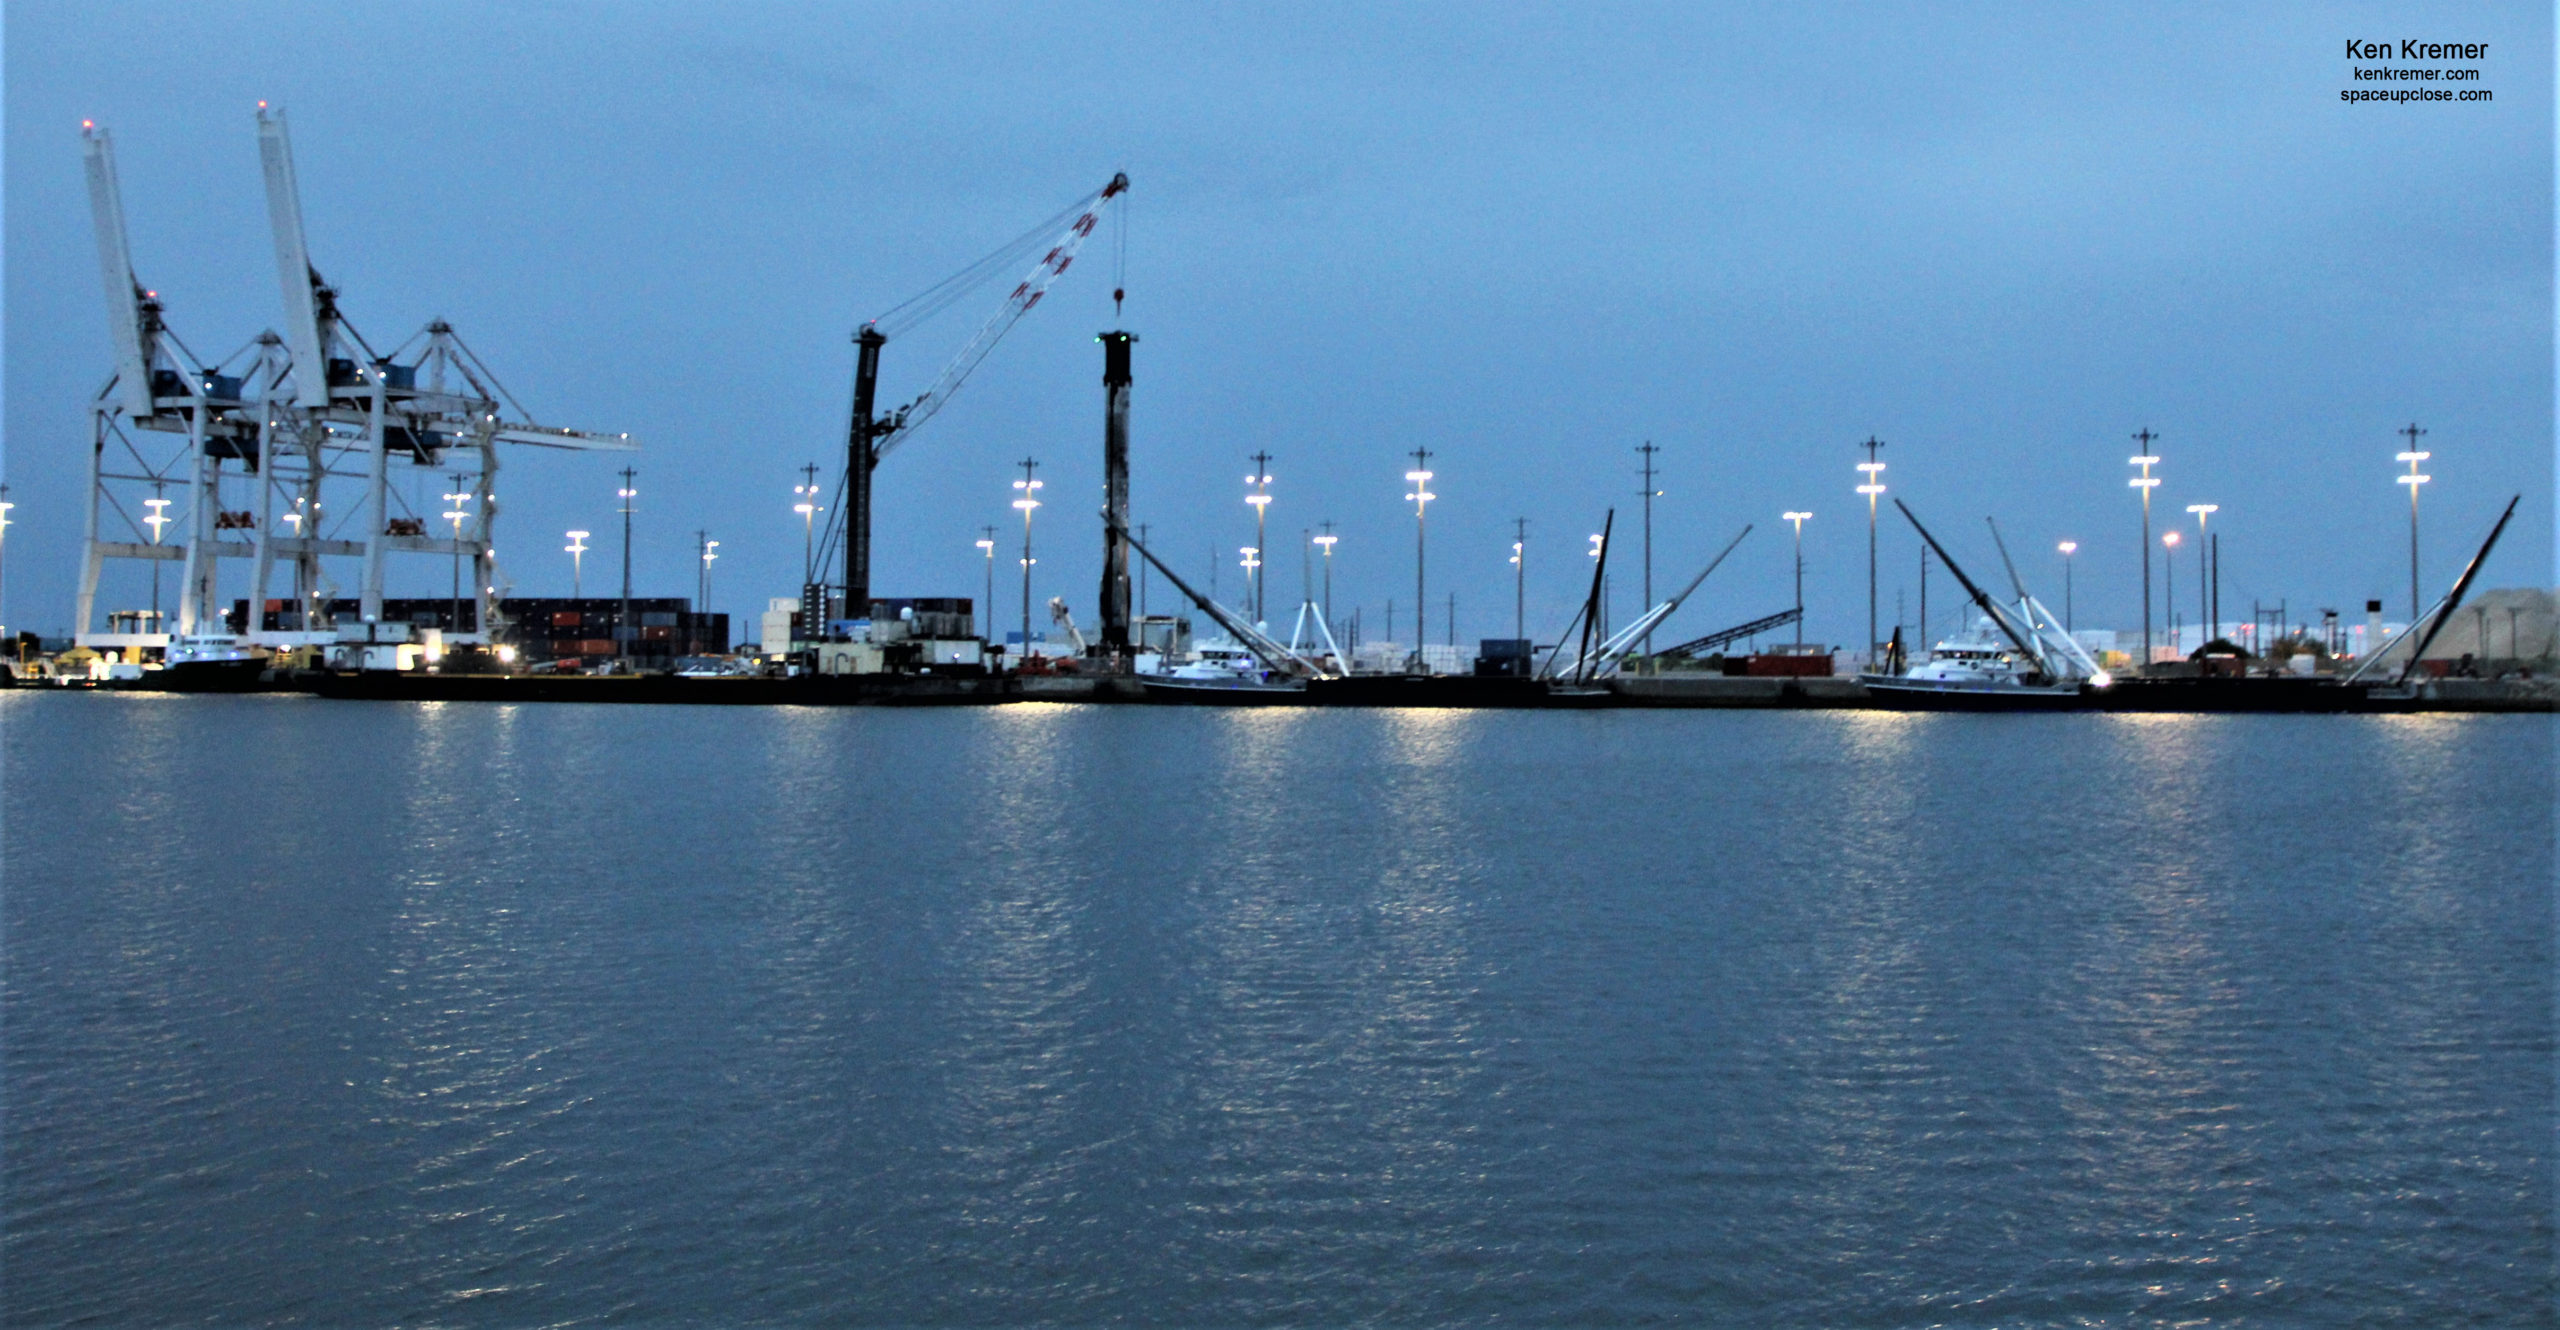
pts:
[2442, 612]
[1271, 653]
[1998, 615]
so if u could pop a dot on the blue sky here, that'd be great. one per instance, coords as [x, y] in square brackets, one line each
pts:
[2002, 238]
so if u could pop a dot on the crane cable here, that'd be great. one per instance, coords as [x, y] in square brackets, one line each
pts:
[951, 290]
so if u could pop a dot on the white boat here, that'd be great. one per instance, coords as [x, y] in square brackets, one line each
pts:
[1221, 673]
[1980, 668]
[2017, 657]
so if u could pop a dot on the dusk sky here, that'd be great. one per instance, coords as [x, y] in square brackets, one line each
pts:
[2000, 238]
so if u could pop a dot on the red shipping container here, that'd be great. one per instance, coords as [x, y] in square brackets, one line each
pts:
[1788, 666]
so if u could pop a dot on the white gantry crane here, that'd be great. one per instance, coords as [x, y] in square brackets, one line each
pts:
[161, 429]
[283, 425]
[377, 408]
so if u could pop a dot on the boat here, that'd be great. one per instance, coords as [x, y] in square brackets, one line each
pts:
[1978, 671]
[204, 663]
[1222, 674]
[2017, 657]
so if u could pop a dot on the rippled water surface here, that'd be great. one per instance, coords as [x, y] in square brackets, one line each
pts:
[353, 1013]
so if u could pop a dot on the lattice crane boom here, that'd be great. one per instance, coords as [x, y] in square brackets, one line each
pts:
[1018, 302]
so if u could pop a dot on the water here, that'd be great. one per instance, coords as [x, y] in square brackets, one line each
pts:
[353, 1013]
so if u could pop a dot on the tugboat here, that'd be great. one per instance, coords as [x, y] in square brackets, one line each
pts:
[2018, 658]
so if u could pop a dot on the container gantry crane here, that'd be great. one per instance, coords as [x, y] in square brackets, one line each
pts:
[349, 399]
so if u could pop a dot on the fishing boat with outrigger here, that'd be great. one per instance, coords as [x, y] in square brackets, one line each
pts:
[1250, 669]
[2017, 659]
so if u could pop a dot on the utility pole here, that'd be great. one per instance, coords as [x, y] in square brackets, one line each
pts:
[1650, 493]
[2413, 480]
[2146, 482]
[1453, 619]
[1519, 577]
[1030, 499]
[622, 634]
[1261, 501]
[1421, 497]
[1873, 488]
[1142, 576]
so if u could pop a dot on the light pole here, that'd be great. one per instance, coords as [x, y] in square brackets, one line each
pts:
[2068, 548]
[2413, 480]
[455, 515]
[1650, 494]
[1873, 470]
[1799, 519]
[704, 545]
[806, 494]
[1327, 541]
[2146, 482]
[577, 548]
[2169, 603]
[1306, 570]
[987, 547]
[1030, 499]
[2206, 582]
[1420, 498]
[1519, 577]
[1252, 565]
[1261, 501]
[5, 524]
[1594, 551]
[622, 634]
[157, 520]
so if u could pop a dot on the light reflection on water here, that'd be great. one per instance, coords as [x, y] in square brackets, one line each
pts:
[537, 1014]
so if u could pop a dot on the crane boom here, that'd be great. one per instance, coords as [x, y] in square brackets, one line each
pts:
[131, 312]
[867, 439]
[1025, 294]
[307, 300]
